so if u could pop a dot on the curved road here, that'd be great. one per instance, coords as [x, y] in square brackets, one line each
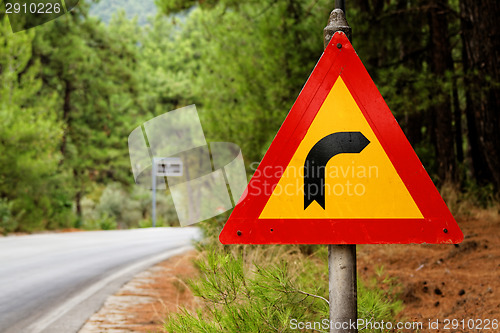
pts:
[54, 282]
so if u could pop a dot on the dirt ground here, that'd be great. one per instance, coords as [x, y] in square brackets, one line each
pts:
[437, 282]
[440, 282]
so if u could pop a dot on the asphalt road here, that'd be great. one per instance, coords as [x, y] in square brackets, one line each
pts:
[54, 282]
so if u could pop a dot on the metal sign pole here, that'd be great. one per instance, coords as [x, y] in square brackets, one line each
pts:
[343, 288]
[341, 258]
[153, 187]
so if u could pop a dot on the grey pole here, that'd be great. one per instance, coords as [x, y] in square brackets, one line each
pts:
[343, 288]
[337, 22]
[153, 187]
[340, 4]
[341, 258]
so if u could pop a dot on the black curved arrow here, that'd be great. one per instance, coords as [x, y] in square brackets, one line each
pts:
[319, 155]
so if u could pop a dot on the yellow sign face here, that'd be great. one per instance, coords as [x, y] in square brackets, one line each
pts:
[363, 185]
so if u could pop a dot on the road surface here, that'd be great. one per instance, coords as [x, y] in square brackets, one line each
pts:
[53, 282]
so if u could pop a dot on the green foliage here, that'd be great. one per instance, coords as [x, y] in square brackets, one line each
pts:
[243, 66]
[103, 222]
[72, 90]
[66, 107]
[127, 208]
[378, 298]
[148, 223]
[107, 223]
[7, 223]
[115, 203]
[92, 68]
[261, 289]
[239, 301]
[464, 203]
[80, 110]
[67, 104]
[29, 135]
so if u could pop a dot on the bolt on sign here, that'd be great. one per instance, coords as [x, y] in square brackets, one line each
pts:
[340, 170]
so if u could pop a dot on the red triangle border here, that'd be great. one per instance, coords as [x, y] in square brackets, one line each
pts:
[244, 225]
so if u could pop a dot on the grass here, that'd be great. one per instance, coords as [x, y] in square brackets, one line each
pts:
[262, 288]
[471, 202]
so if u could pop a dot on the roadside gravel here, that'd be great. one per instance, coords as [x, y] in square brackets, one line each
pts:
[142, 304]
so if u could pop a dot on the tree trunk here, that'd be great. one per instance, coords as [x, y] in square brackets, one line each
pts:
[481, 39]
[78, 204]
[409, 30]
[457, 115]
[68, 89]
[441, 61]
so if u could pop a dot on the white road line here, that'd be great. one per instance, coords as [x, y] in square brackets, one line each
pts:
[64, 308]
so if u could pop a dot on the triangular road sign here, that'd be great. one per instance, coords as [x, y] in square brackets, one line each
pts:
[340, 170]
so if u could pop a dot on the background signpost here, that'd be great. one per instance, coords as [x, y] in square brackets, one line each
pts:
[163, 167]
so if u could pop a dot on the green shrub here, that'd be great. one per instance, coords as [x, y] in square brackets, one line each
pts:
[262, 288]
[107, 223]
[115, 202]
[128, 208]
[103, 222]
[147, 223]
[378, 299]
[466, 201]
[7, 223]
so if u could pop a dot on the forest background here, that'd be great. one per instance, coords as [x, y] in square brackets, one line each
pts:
[71, 91]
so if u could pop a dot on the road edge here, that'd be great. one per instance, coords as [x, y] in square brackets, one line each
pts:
[51, 318]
